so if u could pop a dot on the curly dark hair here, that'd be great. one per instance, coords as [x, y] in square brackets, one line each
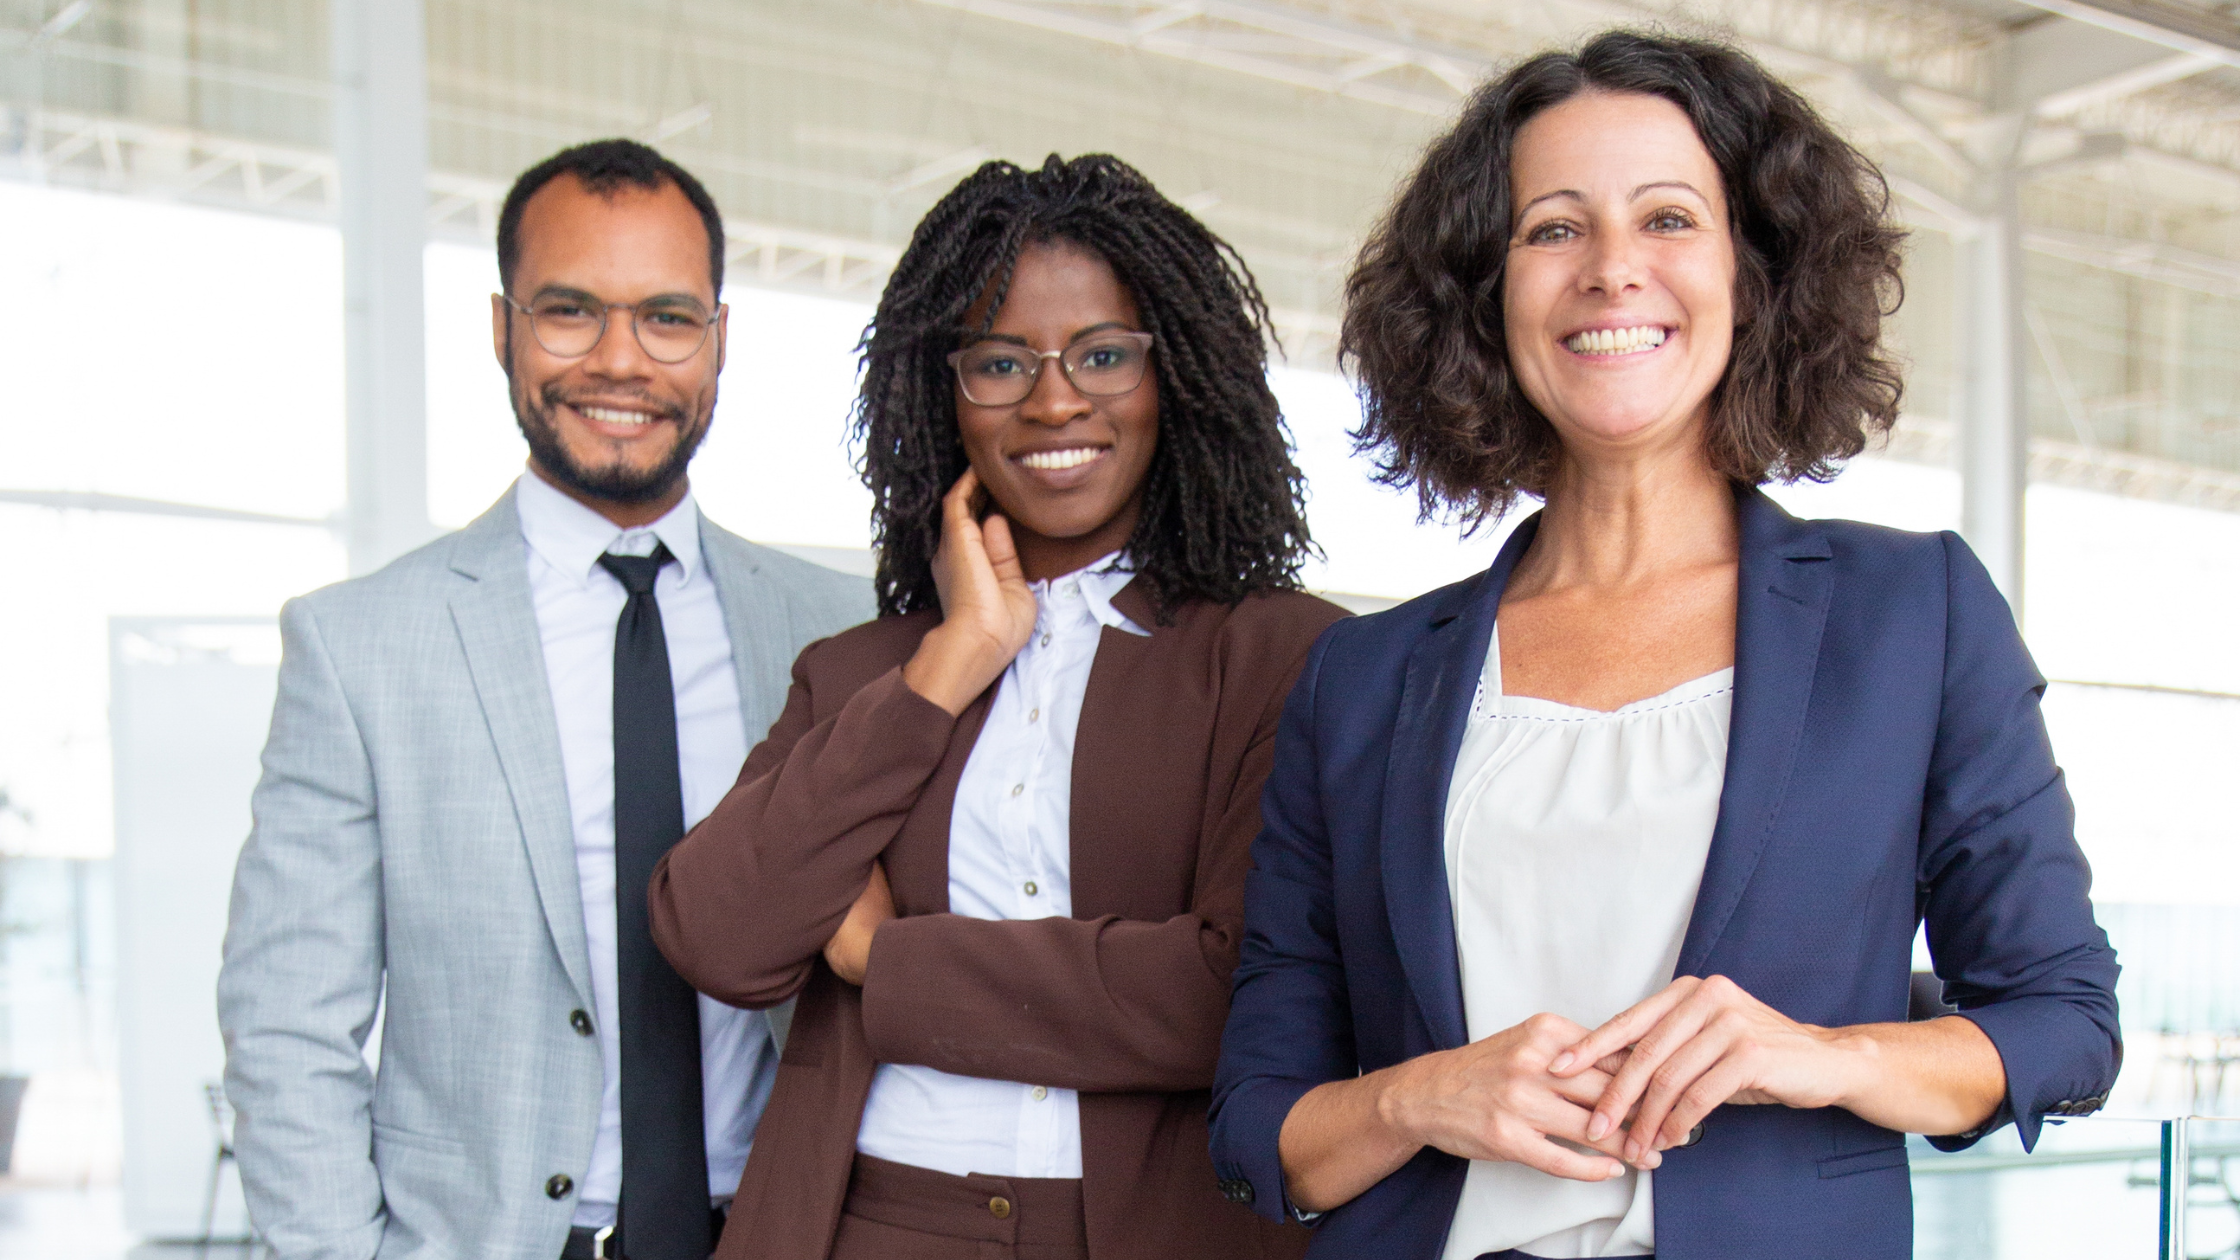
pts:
[1223, 505]
[1817, 262]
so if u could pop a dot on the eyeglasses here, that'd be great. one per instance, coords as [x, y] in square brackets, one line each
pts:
[569, 325]
[999, 374]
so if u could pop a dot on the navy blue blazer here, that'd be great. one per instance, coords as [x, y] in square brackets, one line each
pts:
[1886, 765]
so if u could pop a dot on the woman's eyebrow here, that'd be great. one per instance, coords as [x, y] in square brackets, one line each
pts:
[1572, 193]
[1575, 195]
[1009, 339]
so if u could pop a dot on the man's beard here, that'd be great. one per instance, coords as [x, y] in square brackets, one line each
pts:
[618, 483]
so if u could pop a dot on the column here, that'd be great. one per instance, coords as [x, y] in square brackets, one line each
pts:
[381, 152]
[1994, 428]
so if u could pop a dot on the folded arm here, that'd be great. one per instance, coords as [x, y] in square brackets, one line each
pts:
[743, 906]
[1106, 1004]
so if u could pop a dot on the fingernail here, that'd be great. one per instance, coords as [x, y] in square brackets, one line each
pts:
[1614, 1170]
[1652, 1160]
[1597, 1127]
[1562, 1061]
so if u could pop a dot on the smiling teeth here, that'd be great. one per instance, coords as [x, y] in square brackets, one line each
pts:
[610, 415]
[1055, 461]
[1615, 340]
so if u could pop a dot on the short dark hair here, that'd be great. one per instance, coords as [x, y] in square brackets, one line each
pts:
[606, 166]
[1817, 262]
[1223, 504]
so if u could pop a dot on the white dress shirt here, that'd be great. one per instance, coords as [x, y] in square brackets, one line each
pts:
[578, 603]
[1575, 842]
[1010, 857]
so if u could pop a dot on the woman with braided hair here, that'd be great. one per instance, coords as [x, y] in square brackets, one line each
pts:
[996, 846]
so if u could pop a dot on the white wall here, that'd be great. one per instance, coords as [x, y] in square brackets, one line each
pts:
[191, 701]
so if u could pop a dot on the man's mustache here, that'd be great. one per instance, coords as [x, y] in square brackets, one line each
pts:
[554, 395]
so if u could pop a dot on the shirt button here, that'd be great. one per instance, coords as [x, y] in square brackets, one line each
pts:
[999, 1208]
[1017, 788]
[560, 1187]
[1046, 640]
[1034, 714]
[581, 1022]
[1040, 1093]
[1032, 888]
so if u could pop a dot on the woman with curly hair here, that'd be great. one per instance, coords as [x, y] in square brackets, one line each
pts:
[996, 844]
[1603, 868]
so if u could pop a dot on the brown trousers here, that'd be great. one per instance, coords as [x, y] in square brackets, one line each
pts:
[897, 1212]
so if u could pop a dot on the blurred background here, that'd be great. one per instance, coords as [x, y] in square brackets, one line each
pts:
[245, 259]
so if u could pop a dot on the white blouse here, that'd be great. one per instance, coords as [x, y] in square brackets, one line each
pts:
[1010, 857]
[1575, 842]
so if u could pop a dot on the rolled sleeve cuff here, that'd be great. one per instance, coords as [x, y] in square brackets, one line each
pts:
[1249, 1161]
[2036, 1041]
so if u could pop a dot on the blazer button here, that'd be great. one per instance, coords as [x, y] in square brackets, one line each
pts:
[1237, 1190]
[999, 1208]
[580, 1021]
[560, 1187]
[1695, 1135]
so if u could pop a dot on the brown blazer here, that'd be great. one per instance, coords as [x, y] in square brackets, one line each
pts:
[1124, 1002]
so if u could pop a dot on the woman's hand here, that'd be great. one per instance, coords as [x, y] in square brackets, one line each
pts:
[1496, 1099]
[848, 953]
[987, 612]
[1491, 1099]
[1702, 1043]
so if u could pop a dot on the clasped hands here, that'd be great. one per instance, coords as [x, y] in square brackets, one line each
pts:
[1630, 1090]
[987, 612]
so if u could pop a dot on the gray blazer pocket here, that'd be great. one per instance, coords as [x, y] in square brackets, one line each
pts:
[388, 1135]
[1864, 1161]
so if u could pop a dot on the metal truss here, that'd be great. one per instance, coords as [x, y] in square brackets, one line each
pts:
[1286, 43]
[1390, 64]
[1924, 440]
[125, 156]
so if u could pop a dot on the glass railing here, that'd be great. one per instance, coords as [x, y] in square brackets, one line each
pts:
[2099, 1187]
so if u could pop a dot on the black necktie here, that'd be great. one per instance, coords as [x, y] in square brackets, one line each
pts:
[664, 1205]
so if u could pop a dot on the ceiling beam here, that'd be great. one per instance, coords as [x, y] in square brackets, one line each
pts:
[2177, 27]
[1266, 40]
[2059, 65]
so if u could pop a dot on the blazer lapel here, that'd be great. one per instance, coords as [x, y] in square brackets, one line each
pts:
[1781, 609]
[754, 615]
[1434, 708]
[1111, 818]
[497, 624]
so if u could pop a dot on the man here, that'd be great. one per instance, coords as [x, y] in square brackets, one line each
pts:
[478, 754]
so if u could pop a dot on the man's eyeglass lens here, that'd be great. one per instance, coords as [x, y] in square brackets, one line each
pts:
[670, 330]
[997, 375]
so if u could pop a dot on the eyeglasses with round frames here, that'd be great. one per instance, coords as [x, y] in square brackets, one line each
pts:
[1001, 374]
[669, 329]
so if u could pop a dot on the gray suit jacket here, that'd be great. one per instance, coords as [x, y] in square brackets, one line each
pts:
[413, 853]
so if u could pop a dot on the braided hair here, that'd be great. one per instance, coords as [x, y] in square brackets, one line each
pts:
[1223, 505]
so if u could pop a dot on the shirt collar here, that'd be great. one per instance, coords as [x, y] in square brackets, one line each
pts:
[572, 537]
[1100, 580]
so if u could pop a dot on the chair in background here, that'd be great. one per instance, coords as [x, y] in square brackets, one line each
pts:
[221, 1126]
